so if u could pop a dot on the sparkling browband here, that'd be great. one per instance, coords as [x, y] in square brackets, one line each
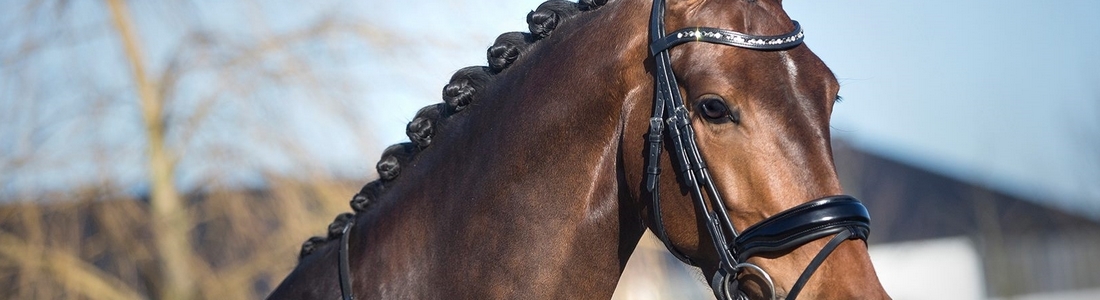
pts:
[732, 38]
[700, 33]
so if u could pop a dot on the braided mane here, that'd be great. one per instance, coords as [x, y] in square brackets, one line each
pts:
[462, 90]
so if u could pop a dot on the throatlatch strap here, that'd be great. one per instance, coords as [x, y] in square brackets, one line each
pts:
[345, 273]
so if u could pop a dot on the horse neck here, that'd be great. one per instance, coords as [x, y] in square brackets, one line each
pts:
[522, 193]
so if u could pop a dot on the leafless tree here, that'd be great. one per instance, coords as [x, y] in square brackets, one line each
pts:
[169, 96]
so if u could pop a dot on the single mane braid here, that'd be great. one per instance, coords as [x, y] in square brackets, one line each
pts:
[591, 4]
[549, 15]
[393, 158]
[367, 196]
[337, 226]
[507, 48]
[309, 245]
[464, 87]
[423, 125]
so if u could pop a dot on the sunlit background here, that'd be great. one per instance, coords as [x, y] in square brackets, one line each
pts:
[970, 129]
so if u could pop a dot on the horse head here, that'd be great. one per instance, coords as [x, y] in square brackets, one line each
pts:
[755, 200]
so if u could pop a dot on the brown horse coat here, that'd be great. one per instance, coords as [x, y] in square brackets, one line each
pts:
[532, 186]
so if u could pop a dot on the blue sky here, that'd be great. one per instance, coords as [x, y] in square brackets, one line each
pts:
[1000, 93]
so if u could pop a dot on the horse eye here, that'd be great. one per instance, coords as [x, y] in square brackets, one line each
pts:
[714, 109]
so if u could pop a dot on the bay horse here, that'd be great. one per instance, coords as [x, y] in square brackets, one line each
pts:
[539, 173]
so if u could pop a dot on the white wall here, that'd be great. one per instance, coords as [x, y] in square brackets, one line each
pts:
[948, 268]
[935, 269]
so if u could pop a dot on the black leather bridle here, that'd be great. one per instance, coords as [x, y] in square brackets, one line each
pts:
[842, 216]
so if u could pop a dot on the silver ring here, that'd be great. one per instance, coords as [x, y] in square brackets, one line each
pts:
[758, 269]
[726, 286]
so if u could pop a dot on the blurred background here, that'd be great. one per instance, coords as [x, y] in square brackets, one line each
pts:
[185, 149]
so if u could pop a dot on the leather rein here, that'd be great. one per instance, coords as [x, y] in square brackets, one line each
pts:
[842, 216]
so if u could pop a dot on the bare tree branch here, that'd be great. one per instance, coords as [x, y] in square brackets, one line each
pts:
[71, 271]
[184, 123]
[170, 215]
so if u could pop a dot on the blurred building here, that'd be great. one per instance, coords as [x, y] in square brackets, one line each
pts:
[932, 237]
